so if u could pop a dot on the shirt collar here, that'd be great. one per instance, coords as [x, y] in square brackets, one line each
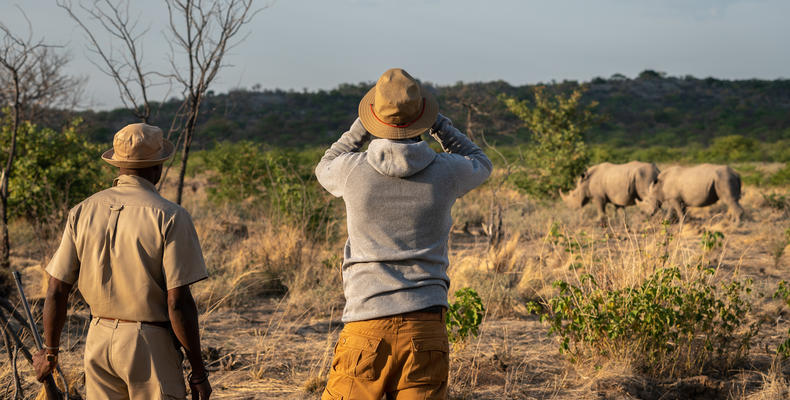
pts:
[132, 180]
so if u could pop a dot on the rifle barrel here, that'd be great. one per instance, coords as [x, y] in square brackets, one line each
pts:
[26, 306]
[50, 387]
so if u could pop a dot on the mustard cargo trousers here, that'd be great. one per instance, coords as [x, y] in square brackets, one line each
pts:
[403, 357]
[131, 360]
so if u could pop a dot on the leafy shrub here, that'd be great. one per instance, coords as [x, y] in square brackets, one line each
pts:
[781, 177]
[711, 239]
[281, 181]
[464, 315]
[783, 292]
[52, 172]
[558, 154]
[240, 171]
[777, 201]
[732, 148]
[678, 321]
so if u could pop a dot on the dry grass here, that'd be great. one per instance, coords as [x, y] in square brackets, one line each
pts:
[270, 311]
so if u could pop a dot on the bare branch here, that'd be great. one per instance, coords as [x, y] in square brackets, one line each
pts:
[127, 71]
[204, 32]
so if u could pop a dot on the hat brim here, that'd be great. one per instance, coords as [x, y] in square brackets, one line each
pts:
[168, 149]
[382, 130]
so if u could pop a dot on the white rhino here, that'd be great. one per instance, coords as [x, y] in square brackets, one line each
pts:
[619, 184]
[698, 186]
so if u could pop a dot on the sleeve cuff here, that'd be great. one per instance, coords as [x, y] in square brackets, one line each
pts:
[186, 281]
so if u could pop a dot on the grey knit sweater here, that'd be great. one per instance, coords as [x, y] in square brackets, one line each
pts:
[398, 196]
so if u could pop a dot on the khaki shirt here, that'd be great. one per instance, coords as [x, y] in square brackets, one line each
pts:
[127, 246]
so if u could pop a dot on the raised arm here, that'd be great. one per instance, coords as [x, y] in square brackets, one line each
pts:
[335, 165]
[470, 165]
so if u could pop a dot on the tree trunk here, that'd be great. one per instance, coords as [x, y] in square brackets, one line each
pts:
[5, 249]
[189, 130]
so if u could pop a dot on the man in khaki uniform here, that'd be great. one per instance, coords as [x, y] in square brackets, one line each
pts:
[133, 255]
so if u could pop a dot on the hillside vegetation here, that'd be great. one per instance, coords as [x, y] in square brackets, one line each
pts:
[649, 110]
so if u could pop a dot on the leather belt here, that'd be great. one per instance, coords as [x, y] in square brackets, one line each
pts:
[435, 313]
[421, 316]
[161, 324]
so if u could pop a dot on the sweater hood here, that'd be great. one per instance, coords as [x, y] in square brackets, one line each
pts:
[399, 159]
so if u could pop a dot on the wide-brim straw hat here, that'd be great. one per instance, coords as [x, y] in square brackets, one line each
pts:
[139, 146]
[398, 107]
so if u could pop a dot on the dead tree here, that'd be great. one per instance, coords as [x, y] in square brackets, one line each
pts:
[44, 90]
[18, 56]
[124, 64]
[204, 31]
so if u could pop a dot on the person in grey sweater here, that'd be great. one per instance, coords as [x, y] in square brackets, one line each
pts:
[398, 195]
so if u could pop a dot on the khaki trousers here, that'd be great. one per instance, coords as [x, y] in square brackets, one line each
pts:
[131, 360]
[399, 357]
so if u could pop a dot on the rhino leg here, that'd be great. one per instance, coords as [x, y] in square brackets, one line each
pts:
[734, 211]
[678, 208]
[622, 210]
[600, 205]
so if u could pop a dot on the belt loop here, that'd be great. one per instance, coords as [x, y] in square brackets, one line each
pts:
[398, 319]
[139, 326]
[95, 321]
[115, 325]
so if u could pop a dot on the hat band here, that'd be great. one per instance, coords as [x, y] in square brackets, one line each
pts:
[399, 126]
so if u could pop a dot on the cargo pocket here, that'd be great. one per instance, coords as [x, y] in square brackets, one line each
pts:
[355, 355]
[429, 361]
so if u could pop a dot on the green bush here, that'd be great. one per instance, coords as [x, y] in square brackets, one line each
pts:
[558, 154]
[52, 172]
[281, 181]
[464, 315]
[239, 171]
[781, 177]
[777, 201]
[783, 292]
[732, 148]
[711, 240]
[676, 323]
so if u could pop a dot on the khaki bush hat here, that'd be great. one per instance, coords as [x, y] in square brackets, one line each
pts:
[139, 146]
[397, 107]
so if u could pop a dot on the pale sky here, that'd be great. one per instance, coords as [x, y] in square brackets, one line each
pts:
[318, 44]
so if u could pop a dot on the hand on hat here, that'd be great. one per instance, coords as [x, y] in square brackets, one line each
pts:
[359, 131]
